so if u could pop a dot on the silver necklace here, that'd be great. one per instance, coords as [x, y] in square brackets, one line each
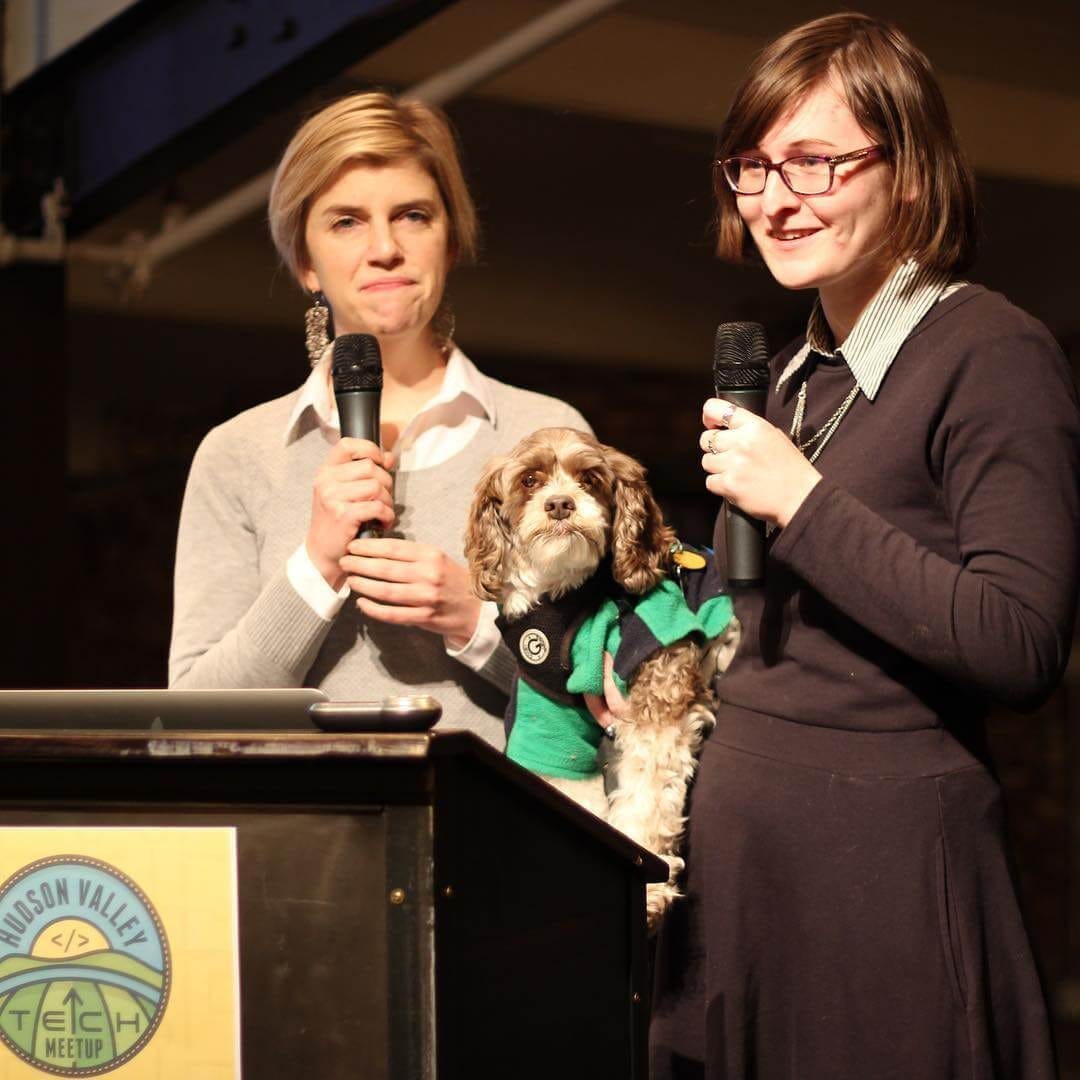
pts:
[825, 432]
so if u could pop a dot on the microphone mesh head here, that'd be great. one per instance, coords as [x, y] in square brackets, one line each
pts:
[357, 363]
[740, 357]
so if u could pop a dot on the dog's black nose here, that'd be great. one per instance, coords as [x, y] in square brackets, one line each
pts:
[559, 507]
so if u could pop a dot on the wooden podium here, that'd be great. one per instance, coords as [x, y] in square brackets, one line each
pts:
[411, 907]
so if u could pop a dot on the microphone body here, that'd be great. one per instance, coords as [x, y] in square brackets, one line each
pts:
[358, 411]
[741, 376]
[358, 379]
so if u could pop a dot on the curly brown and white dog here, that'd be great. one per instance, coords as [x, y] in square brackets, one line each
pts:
[561, 528]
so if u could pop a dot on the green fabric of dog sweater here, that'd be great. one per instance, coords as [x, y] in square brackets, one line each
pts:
[558, 739]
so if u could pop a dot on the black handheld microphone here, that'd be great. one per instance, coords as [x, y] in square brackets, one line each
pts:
[741, 376]
[357, 375]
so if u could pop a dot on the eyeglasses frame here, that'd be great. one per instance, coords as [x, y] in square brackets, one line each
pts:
[832, 162]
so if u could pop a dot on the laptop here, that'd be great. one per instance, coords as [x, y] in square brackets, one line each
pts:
[159, 710]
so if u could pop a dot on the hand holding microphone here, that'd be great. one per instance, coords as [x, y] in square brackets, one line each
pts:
[353, 488]
[750, 463]
[397, 581]
[356, 370]
[741, 379]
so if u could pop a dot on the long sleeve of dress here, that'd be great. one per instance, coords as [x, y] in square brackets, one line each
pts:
[1002, 445]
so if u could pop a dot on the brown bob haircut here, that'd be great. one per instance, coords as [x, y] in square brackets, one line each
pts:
[891, 90]
[373, 128]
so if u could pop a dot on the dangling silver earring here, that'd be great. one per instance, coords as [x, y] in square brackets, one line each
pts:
[316, 322]
[443, 326]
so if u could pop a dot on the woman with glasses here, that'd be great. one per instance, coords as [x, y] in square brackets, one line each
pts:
[850, 913]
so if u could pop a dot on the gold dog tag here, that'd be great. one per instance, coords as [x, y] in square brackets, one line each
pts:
[688, 560]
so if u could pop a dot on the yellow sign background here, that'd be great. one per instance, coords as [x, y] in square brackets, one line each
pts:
[189, 876]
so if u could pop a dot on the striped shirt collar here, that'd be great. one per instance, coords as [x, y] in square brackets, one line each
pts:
[896, 309]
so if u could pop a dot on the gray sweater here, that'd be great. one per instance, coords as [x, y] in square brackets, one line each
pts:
[238, 622]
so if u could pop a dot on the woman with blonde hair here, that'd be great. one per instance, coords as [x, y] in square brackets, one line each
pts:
[369, 211]
[850, 912]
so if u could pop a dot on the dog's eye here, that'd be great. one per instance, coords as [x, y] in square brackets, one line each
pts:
[588, 480]
[529, 480]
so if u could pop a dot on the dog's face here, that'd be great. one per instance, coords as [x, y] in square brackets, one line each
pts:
[545, 515]
[557, 501]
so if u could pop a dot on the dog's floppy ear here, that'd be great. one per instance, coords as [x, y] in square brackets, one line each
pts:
[487, 538]
[640, 541]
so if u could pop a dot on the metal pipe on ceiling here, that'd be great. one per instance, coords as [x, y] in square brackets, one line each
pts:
[436, 90]
[251, 196]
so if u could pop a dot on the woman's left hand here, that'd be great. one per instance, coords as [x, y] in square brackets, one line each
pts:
[753, 464]
[411, 584]
[612, 707]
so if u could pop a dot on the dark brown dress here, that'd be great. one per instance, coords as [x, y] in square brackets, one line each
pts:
[850, 913]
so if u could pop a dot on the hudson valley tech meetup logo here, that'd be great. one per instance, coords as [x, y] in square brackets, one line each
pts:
[84, 966]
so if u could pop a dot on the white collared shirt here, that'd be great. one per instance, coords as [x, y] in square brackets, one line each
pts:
[442, 428]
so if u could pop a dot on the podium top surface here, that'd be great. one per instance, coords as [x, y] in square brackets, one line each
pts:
[25, 744]
[241, 749]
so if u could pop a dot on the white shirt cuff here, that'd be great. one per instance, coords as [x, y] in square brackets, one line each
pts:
[476, 652]
[312, 587]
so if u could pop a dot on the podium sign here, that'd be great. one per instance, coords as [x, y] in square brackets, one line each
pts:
[117, 944]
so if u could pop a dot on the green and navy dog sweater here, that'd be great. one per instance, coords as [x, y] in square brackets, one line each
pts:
[560, 646]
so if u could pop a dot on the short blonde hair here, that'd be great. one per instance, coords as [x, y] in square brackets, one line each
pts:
[891, 90]
[374, 129]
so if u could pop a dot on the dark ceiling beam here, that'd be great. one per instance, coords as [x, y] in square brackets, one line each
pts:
[166, 83]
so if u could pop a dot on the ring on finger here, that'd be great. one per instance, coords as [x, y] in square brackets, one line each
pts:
[726, 413]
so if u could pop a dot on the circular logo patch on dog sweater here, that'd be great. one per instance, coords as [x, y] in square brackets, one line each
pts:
[534, 647]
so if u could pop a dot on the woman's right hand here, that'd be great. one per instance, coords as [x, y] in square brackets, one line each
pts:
[753, 464]
[353, 487]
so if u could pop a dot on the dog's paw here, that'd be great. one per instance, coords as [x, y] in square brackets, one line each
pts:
[718, 654]
[659, 896]
[700, 720]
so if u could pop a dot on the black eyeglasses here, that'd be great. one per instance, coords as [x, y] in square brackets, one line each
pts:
[807, 174]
